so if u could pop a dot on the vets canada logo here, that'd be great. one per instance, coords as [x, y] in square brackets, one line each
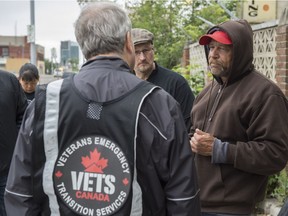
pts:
[92, 176]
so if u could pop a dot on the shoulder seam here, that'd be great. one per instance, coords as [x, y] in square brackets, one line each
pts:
[158, 130]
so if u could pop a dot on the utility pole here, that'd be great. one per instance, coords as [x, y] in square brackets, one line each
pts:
[53, 59]
[32, 33]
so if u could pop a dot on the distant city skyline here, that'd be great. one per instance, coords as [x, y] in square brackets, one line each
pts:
[53, 21]
[69, 50]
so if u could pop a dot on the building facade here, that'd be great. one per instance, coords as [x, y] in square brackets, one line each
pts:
[15, 51]
[69, 54]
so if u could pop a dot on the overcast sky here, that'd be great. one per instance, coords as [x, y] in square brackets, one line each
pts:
[53, 21]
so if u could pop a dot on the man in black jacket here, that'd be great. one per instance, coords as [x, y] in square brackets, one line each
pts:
[103, 142]
[12, 106]
[147, 68]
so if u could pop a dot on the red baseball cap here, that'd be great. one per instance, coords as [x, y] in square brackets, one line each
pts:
[219, 36]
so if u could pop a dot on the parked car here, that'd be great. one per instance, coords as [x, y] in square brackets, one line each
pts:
[58, 73]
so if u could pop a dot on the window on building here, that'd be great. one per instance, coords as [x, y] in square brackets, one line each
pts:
[5, 51]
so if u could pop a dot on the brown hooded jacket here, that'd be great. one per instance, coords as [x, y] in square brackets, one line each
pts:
[251, 113]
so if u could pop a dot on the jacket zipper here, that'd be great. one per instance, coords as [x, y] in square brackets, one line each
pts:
[215, 105]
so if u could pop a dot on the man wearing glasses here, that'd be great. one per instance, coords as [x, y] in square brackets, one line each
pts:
[148, 69]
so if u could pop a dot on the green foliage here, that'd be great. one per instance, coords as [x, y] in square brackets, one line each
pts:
[49, 66]
[162, 19]
[209, 11]
[74, 64]
[196, 81]
[174, 23]
[278, 186]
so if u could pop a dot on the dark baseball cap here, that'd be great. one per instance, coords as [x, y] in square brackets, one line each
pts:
[141, 36]
[219, 36]
[29, 67]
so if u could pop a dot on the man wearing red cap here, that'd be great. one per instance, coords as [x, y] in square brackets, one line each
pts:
[239, 125]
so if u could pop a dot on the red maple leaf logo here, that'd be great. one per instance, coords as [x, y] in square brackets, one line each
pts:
[94, 163]
[125, 181]
[58, 174]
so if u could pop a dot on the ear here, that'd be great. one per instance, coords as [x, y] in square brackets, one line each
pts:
[129, 45]
[129, 52]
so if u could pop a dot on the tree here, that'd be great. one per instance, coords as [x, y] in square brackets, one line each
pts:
[202, 15]
[162, 18]
[74, 64]
[174, 23]
[49, 66]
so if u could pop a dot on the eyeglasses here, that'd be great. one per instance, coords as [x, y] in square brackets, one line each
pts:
[144, 51]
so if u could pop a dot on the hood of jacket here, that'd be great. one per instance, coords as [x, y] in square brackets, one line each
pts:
[241, 34]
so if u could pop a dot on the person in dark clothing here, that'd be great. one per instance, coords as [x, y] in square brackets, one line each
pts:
[103, 142]
[12, 107]
[29, 78]
[148, 69]
[239, 124]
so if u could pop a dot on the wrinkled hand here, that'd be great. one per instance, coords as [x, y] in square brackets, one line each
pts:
[202, 143]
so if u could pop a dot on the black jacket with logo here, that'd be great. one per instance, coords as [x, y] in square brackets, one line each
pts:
[164, 161]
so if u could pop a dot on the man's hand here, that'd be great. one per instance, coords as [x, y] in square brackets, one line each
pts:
[202, 143]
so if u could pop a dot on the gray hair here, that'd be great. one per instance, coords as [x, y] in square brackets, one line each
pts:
[101, 28]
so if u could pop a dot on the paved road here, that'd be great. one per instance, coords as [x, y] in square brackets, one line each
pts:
[45, 78]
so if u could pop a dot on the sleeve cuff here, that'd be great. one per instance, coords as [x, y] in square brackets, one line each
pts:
[219, 152]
